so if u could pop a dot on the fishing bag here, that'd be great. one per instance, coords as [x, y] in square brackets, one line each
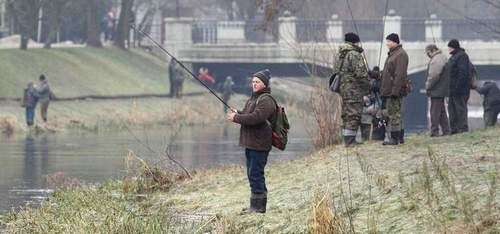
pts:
[279, 125]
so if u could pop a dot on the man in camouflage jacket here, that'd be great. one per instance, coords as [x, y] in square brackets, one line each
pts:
[354, 84]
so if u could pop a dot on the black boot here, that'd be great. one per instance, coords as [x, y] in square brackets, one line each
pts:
[349, 141]
[395, 135]
[402, 137]
[258, 204]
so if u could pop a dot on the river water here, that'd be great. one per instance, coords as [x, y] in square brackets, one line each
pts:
[26, 160]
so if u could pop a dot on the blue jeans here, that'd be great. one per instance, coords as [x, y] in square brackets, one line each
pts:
[30, 115]
[256, 162]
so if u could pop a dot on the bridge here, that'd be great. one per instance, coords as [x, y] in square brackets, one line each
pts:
[294, 47]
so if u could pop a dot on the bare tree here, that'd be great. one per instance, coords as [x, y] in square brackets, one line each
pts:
[93, 39]
[25, 14]
[123, 29]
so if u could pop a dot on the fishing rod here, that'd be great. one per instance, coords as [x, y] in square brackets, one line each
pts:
[180, 64]
[357, 31]
[382, 41]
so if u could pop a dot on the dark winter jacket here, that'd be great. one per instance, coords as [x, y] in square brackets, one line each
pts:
[460, 73]
[491, 95]
[437, 84]
[255, 132]
[395, 73]
[30, 97]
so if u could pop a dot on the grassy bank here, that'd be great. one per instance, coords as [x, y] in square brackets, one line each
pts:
[84, 71]
[105, 115]
[429, 185]
[75, 72]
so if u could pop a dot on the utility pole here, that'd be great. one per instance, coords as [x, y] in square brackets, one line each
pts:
[40, 21]
[177, 9]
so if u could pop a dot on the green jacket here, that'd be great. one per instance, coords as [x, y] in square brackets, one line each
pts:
[354, 82]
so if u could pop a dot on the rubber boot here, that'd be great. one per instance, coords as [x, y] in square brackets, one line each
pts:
[395, 135]
[349, 141]
[258, 204]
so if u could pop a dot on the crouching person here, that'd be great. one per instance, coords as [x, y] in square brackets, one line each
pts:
[491, 102]
[256, 137]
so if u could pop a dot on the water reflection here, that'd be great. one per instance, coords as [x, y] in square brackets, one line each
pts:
[27, 160]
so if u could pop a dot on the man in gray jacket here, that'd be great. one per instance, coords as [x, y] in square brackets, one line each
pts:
[437, 86]
[45, 95]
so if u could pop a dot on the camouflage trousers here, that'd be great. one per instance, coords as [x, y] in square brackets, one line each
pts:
[351, 115]
[393, 112]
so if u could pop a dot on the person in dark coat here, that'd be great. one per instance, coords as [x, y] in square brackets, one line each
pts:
[256, 137]
[392, 90]
[30, 100]
[176, 77]
[460, 85]
[437, 87]
[491, 102]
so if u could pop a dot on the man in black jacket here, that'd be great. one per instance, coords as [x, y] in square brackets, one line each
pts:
[460, 85]
[491, 102]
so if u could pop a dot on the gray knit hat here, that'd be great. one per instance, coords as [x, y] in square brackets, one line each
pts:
[264, 76]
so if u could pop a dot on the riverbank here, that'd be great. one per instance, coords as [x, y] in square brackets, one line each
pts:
[428, 185]
[107, 72]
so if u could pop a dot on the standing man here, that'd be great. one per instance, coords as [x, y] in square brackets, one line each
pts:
[45, 95]
[394, 87]
[256, 137]
[491, 102]
[460, 85]
[354, 84]
[176, 77]
[437, 87]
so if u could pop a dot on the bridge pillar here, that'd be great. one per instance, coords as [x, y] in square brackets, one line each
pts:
[334, 31]
[433, 29]
[178, 33]
[230, 32]
[392, 24]
[287, 30]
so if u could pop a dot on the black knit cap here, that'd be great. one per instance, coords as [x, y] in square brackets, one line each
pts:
[393, 37]
[454, 44]
[264, 76]
[351, 37]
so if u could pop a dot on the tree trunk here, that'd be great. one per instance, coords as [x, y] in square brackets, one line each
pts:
[93, 39]
[24, 42]
[124, 24]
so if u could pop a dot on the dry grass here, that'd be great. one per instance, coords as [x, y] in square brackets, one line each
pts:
[438, 185]
[325, 220]
[8, 124]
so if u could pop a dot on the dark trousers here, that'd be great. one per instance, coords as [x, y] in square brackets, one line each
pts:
[256, 162]
[439, 118]
[457, 108]
[490, 116]
[30, 115]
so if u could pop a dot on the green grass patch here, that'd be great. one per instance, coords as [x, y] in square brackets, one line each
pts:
[84, 71]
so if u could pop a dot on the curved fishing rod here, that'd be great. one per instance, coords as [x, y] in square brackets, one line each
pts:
[428, 15]
[357, 32]
[180, 64]
[382, 41]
